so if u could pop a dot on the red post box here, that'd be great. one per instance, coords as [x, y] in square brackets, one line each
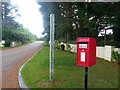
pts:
[86, 52]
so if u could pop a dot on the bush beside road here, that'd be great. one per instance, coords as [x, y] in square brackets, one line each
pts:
[67, 75]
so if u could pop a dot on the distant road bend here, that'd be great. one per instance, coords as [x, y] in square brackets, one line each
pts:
[13, 59]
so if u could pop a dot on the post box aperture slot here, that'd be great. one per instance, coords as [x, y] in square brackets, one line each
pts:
[85, 46]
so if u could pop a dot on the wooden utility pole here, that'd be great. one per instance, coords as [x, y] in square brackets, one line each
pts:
[52, 20]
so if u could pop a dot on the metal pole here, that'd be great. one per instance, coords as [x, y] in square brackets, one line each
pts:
[52, 19]
[105, 37]
[86, 78]
[1, 15]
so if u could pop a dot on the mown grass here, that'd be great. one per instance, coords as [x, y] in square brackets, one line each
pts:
[3, 47]
[10, 47]
[67, 75]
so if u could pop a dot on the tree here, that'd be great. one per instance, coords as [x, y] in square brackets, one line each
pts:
[12, 30]
[79, 19]
[46, 9]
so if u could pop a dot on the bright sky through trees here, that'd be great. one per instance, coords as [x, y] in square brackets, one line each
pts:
[30, 17]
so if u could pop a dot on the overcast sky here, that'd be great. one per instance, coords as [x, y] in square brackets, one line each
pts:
[31, 18]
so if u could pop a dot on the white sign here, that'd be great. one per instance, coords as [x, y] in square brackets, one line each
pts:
[82, 45]
[82, 56]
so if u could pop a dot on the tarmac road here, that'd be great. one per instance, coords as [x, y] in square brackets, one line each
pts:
[13, 59]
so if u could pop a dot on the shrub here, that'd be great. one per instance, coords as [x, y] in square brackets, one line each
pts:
[62, 47]
[116, 56]
[7, 43]
[68, 47]
[56, 44]
[46, 44]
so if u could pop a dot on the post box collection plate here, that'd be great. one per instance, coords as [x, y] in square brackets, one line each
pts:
[82, 56]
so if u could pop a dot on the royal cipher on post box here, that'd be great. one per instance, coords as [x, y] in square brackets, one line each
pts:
[86, 52]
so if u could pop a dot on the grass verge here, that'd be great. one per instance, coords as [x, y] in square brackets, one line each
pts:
[15, 46]
[67, 75]
[3, 47]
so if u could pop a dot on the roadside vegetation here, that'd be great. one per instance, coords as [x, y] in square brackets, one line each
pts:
[14, 46]
[67, 75]
[11, 30]
[3, 47]
[80, 19]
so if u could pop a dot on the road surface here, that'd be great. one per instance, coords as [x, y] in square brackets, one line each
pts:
[13, 59]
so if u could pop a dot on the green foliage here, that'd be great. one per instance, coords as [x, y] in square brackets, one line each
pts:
[46, 43]
[56, 44]
[39, 39]
[62, 47]
[82, 20]
[12, 30]
[68, 47]
[8, 21]
[116, 56]
[18, 34]
[7, 43]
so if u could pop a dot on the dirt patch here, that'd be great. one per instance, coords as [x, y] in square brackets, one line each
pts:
[49, 84]
[43, 85]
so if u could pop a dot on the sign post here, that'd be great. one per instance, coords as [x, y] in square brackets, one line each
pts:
[52, 19]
